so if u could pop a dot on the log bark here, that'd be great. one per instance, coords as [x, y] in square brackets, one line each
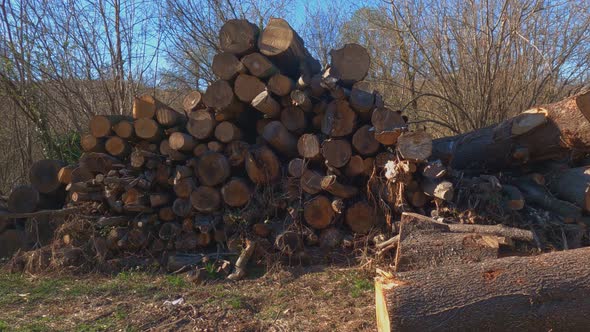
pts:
[280, 138]
[309, 147]
[238, 37]
[145, 106]
[89, 143]
[355, 166]
[236, 153]
[364, 141]
[318, 212]
[440, 189]
[388, 125]
[213, 169]
[259, 65]
[194, 100]
[545, 132]
[337, 152]
[300, 99]
[415, 146]
[227, 132]
[350, 63]
[200, 149]
[247, 87]
[168, 117]
[236, 192]
[537, 194]
[545, 292]
[280, 85]
[262, 165]
[227, 66]
[172, 154]
[296, 167]
[339, 119]
[43, 175]
[206, 199]
[181, 208]
[201, 124]
[286, 49]
[184, 187]
[311, 181]
[360, 217]
[65, 174]
[267, 105]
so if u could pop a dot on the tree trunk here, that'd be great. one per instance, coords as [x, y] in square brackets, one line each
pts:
[362, 98]
[542, 133]
[238, 37]
[220, 96]
[147, 129]
[545, 292]
[572, 185]
[201, 124]
[259, 65]
[236, 192]
[145, 106]
[227, 66]
[318, 212]
[101, 125]
[350, 63]
[124, 129]
[339, 119]
[337, 152]
[293, 118]
[213, 169]
[206, 199]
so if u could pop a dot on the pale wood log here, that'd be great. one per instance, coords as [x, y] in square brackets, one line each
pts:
[117, 147]
[101, 125]
[215, 146]
[65, 174]
[415, 146]
[309, 147]
[169, 118]
[440, 189]
[147, 129]
[201, 124]
[124, 129]
[145, 106]
[182, 142]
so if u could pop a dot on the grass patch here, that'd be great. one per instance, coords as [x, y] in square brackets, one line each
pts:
[176, 281]
[235, 302]
[360, 285]
[3, 326]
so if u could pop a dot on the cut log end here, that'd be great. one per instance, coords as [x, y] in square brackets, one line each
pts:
[318, 212]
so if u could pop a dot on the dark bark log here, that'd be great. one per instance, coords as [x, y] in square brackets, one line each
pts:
[572, 185]
[206, 199]
[236, 152]
[89, 143]
[355, 166]
[360, 217]
[293, 118]
[296, 167]
[318, 212]
[364, 141]
[280, 138]
[545, 132]
[236, 192]
[339, 119]
[201, 124]
[388, 125]
[350, 63]
[280, 85]
[227, 132]
[266, 104]
[262, 165]
[181, 208]
[23, 199]
[545, 292]
[213, 169]
[330, 184]
[168, 117]
[182, 142]
[362, 98]
[247, 87]
[43, 175]
[311, 181]
[227, 66]
[337, 152]
[537, 194]
[220, 96]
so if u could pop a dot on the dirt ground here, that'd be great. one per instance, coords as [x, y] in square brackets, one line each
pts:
[317, 298]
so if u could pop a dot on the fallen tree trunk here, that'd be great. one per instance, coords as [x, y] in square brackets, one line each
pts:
[542, 133]
[540, 293]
